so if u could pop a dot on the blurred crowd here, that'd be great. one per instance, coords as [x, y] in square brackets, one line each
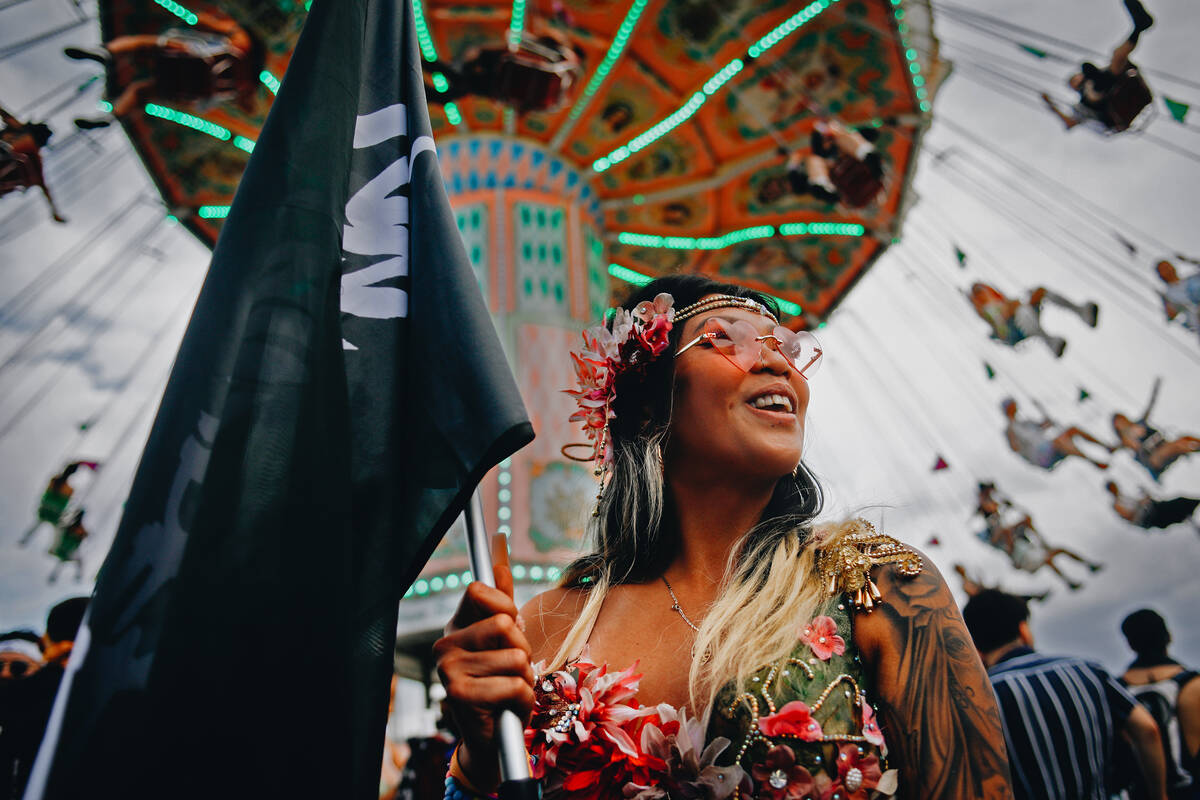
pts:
[31, 669]
[1071, 729]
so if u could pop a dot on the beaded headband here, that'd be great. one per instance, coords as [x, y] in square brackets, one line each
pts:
[632, 342]
[724, 301]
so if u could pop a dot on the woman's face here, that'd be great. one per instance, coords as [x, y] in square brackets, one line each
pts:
[726, 421]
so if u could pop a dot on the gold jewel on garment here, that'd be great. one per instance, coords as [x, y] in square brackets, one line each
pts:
[845, 568]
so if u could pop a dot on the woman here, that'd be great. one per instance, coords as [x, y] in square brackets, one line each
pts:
[763, 650]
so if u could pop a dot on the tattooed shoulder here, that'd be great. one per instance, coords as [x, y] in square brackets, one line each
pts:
[935, 701]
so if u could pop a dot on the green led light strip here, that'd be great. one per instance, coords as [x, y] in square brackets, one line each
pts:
[212, 212]
[711, 86]
[449, 581]
[738, 236]
[504, 498]
[179, 11]
[197, 124]
[423, 38]
[189, 121]
[452, 114]
[911, 56]
[787, 306]
[696, 242]
[610, 58]
[439, 82]
[270, 81]
[517, 25]
[821, 229]
[628, 275]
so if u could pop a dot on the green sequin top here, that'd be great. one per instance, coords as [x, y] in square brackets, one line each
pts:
[807, 728]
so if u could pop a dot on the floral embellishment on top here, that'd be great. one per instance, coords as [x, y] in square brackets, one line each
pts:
[779, 777]
[590, 739]
[691, 770]
[822, 638]
[870, 728]
[794, 719]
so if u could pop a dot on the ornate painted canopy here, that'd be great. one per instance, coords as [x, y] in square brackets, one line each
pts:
[683, 113]
[677, 125]
[196, 156]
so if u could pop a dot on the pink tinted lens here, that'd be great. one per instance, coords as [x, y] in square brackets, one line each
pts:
[734, 340]
[800, 348]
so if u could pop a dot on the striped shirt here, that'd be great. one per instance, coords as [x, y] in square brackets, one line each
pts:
[1060, 715]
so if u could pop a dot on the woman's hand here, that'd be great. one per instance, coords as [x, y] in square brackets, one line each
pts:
[483, 662]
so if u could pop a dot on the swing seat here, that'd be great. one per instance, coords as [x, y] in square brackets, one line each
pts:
[857, 186]
[1128, 97]
[535, 77]
[193, 68]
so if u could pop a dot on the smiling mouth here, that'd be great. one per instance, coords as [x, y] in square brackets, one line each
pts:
[772, 402]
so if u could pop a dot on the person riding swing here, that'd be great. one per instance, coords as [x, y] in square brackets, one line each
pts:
[1110, 97]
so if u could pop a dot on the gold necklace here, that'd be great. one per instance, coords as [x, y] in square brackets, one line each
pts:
[675, 605]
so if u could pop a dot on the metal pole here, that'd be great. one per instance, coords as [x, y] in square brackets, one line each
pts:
[515, 780]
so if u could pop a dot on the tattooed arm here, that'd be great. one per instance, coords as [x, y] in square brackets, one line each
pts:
[936, 704]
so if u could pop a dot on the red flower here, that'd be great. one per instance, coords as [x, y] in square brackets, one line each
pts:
[822, 637]
[794, 719]
[870, 728]
[585, 729]
[857, 775]
[779, 777]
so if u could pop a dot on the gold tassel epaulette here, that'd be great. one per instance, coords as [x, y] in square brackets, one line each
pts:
[845, 566]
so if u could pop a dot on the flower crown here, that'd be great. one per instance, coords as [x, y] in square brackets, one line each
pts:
[633, 340]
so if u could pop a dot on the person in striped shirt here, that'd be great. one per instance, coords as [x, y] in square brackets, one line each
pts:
[1060, 714]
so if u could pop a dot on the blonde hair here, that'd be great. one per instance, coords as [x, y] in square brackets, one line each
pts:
[770, 589]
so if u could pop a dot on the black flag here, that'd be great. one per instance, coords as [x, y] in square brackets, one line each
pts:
[337, 396]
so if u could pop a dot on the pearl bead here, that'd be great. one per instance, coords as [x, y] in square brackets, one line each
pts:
[853, 780]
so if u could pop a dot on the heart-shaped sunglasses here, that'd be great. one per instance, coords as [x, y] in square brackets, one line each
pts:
[741, 344]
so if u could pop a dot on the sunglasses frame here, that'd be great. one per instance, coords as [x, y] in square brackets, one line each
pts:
[712, 335]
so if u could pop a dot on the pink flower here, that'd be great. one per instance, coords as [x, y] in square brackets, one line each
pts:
[822, 638]
[870, 728]
[779, 777]
[794, 719]
[646, 310]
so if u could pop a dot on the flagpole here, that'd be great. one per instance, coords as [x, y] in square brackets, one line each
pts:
[515, 781]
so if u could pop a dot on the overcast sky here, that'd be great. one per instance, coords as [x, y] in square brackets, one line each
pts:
[89, 325]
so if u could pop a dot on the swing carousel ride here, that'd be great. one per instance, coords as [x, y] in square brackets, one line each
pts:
[587, 145]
